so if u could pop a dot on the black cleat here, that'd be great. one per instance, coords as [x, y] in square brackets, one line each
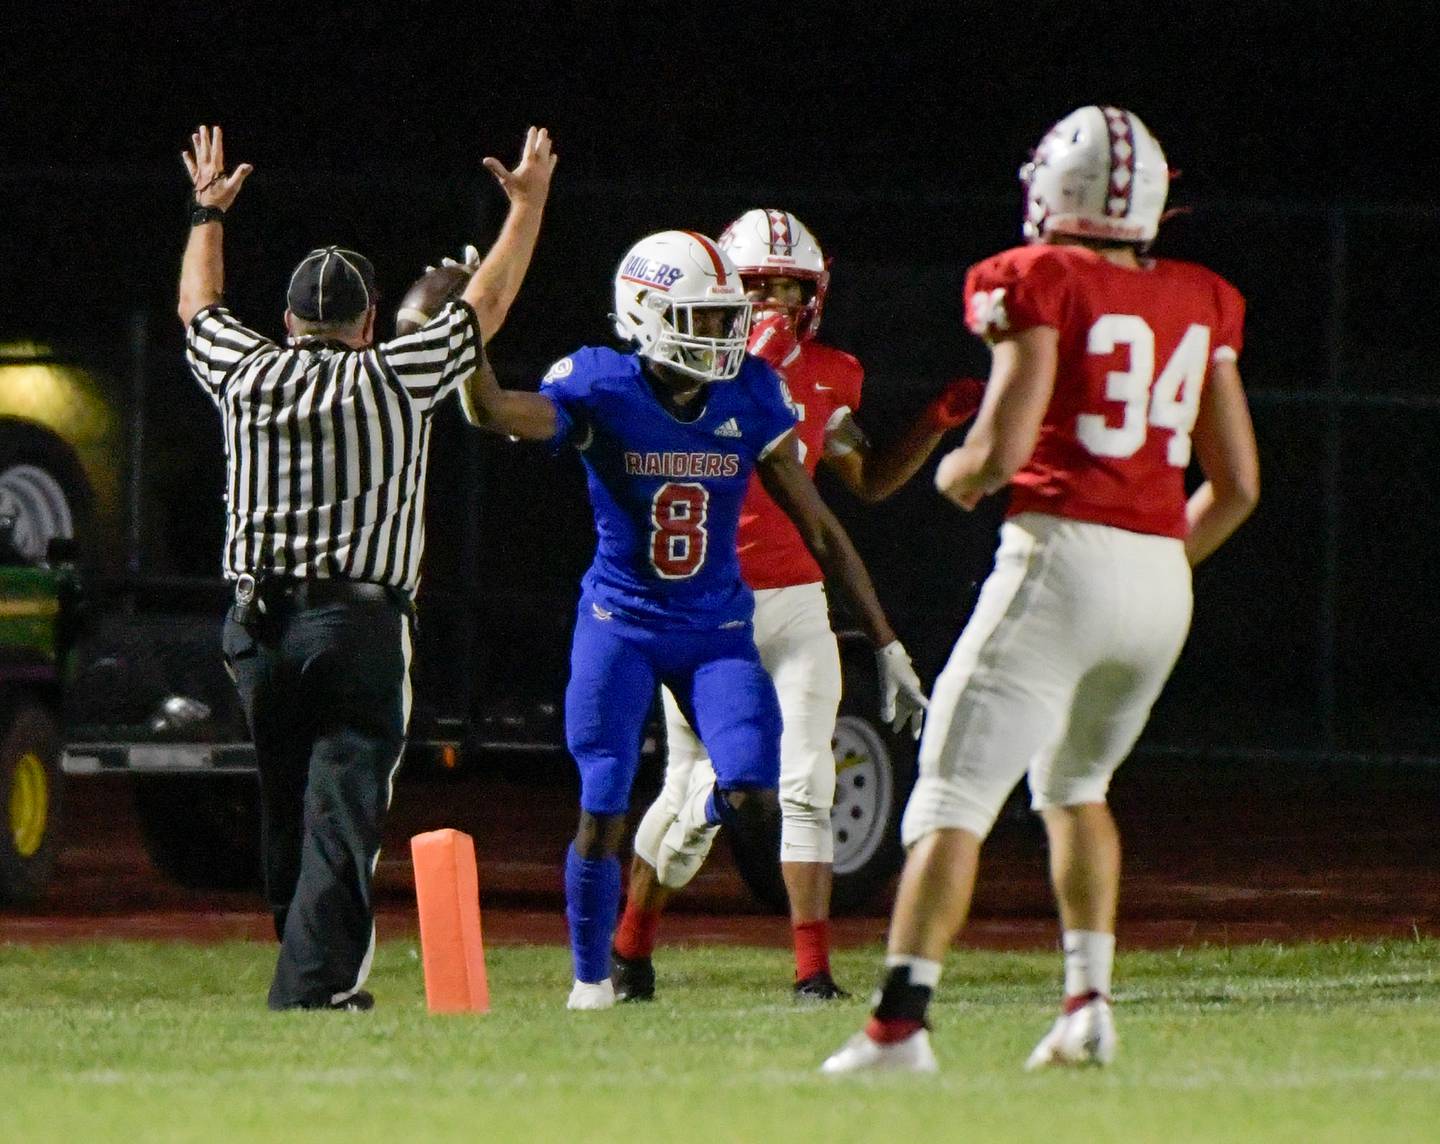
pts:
[361, 1001]
[633, 978]
[819, 987]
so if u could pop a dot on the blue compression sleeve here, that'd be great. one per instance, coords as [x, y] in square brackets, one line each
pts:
[592, 902]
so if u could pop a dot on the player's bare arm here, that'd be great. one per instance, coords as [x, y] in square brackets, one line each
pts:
[786, 480]
[1224, 440]
[874, 474]
[1022, 378]
[871, 474]
[202, 271]
[513, 412]
[494, 285]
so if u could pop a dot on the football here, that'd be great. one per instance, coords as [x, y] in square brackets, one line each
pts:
[427, 294]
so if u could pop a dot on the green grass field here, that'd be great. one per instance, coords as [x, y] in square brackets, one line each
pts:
[137, 1042]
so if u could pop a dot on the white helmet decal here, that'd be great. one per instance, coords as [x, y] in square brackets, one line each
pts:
[1098, 173]
[664, 285]
[765, 242]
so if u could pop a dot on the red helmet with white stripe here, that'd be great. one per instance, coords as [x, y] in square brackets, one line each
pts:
[1098, 173]
[771, 243]
[666, 288]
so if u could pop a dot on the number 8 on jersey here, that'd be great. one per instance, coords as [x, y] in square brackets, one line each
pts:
[677, 529]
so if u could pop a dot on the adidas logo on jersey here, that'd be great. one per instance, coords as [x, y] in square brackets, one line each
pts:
[729, 429]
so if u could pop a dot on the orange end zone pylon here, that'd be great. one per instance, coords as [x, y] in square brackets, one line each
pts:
[447, 890]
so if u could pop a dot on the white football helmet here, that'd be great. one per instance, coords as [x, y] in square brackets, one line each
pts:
[1098, 173]
[664, 282]
[770, 242]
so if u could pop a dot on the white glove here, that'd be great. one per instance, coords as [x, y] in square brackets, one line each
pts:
[901, 698]
[471, 261]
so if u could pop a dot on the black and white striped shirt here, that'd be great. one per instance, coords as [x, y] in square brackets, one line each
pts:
[326, 446]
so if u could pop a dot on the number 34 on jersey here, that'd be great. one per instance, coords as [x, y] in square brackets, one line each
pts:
[1136, 343]
[1170, 401]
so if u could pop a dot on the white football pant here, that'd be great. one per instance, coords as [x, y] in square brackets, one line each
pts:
[1074, 634]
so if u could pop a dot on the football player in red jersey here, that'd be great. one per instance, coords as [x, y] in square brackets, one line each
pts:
[1106, 367]
[786, 276]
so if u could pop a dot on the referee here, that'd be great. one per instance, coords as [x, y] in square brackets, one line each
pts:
[325, 442]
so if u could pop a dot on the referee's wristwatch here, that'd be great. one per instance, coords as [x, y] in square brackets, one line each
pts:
[199, 214]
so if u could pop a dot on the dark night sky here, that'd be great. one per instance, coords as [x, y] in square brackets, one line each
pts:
[367, 123]
[1296, 99]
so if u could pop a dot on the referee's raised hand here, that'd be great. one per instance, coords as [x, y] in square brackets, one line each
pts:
[529, 182]
[206, 164]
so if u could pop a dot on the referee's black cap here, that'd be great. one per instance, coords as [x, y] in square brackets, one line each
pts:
[332, 284]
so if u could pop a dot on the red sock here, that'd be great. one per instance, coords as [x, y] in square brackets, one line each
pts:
[812, 948]
[1078, 1002]
[891, 1031]
[635, 936]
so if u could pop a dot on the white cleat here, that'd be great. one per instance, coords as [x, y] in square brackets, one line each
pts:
[861, 1054]
[592, 995]
[1084, 1037]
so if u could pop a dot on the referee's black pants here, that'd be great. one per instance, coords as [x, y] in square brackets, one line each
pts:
[326, 691]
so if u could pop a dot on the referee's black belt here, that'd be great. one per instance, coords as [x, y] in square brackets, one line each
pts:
[272, 591]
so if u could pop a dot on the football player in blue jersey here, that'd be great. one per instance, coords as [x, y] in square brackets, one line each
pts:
[668, 453]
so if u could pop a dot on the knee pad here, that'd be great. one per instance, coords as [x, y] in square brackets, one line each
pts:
[805, 833]
[653, 825]
[605, 782]
[1070, 780]
[808, 779]
[939, 803]
[1069, 790]
[685, 781]
[683, 845]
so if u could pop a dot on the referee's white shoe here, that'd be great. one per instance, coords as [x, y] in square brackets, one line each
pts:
[591, 995]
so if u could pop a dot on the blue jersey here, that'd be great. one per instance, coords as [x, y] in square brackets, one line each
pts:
[666, 492]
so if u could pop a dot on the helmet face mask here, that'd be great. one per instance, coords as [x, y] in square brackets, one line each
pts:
[768, 243]
[679, 299]
[780, 294]
[704, 339]
[1097, 174]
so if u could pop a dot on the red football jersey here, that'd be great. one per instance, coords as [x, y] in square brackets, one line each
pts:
[1135, 348]
[821, 384]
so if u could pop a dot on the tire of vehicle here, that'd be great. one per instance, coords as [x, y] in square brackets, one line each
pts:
[875, 770]
[202, 831]
[29, 799]
[43, 487]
